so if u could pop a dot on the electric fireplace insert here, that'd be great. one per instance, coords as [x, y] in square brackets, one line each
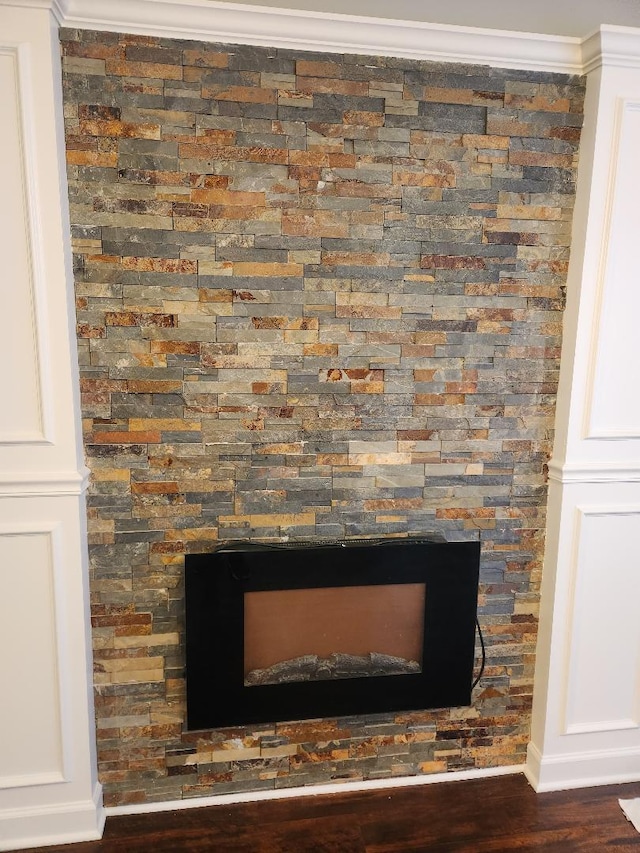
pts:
[279, 632]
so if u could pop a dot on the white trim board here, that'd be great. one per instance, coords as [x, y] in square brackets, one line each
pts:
[295, 29]
[589, 769]
[54, 823]
[45, 484]
[594, 472]
[348, 787]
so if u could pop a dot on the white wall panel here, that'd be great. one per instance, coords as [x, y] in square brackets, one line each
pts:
[614, 405]
[603, 664]
[586, 703]
[31, 743]
[39, 435]
[49, 791]
[23, 420]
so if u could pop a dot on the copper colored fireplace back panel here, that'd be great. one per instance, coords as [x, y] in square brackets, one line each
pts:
[282, 625]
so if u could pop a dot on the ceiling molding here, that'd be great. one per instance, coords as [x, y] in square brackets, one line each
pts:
[297, 29]
[56, 7]
[208, 20]
[612, 47]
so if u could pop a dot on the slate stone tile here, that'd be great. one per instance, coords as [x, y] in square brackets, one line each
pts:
[458, 355]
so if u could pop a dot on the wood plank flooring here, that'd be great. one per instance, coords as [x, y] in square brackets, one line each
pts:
[494, 815]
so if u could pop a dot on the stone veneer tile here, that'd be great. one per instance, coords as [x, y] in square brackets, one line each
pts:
[318, 296]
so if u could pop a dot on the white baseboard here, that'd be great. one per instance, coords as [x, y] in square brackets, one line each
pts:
[63, 823]
[581, 769]
[315, 790]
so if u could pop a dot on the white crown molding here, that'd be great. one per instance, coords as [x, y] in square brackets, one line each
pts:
[594, 472]
[297, 29]
[212, 21]
[56, 7]
[618, 47]
[51, 484]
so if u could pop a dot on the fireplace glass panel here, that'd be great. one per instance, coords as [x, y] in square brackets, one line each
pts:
[317, 634]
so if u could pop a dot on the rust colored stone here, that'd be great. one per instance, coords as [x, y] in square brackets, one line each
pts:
[159, 71]
[158, 488]
[318, 68]
[106, 159]
[170, 265]
[85, 330]
[206, 294]
[205, 58]
[328, 86]
[393, 503]
[167, 547]
[175, 347]
[132, 318]
[315, 223]
[320, 349]
[103, 127]
[415, 434]
[222, 196]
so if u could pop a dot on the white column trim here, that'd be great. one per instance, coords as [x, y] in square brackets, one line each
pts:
[58, 823]
[45, 485]
[612, 223]
[28, 167]
[594, 472]
[50, 792]
[581, 769]
[611, 46]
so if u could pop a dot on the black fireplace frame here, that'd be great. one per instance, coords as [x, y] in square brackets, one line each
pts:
[215, 585]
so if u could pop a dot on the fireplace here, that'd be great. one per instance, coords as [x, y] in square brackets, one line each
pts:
[297, 631]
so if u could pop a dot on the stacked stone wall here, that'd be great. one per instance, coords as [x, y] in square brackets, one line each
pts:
[318, 297]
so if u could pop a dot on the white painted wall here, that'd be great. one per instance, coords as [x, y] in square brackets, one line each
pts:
[586, 723]
[587, 708]
[48, 786]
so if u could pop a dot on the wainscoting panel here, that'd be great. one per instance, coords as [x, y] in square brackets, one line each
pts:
[31, 741]
[603, 667]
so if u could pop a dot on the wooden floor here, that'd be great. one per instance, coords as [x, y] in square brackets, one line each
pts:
[497, 814]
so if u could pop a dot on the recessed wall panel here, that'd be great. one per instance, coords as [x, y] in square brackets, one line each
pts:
[604, 658]
[30, 736]
[614, 407]
[21, 420]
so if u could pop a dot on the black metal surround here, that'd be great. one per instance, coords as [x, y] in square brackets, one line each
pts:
[215, 587]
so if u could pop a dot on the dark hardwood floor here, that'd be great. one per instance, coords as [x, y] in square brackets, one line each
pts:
[480, 816]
